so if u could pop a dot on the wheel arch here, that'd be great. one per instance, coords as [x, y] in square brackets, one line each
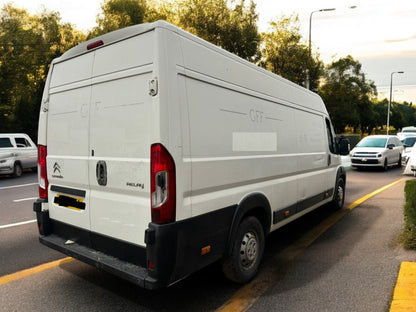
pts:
[256, 205]
[341, 173]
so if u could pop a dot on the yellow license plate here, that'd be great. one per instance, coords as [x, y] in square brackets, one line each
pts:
[69, 202]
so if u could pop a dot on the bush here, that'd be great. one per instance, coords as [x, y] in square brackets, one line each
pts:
[409, 232]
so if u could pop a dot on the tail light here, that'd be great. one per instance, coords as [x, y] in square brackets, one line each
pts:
[43, 178]
[163, 185]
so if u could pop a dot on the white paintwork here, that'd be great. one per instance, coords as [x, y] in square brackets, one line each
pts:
[232, 128]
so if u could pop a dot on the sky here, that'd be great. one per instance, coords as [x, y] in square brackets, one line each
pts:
[380, 34]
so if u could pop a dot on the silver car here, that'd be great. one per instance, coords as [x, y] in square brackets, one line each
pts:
[17, 152]
[377, 151]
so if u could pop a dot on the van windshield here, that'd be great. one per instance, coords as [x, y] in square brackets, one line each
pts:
[372, 142]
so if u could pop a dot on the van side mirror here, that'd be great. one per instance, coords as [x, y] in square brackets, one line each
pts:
[390, 146]
[343, 146]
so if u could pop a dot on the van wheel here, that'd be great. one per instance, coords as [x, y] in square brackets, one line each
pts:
[339, 196]
[246, 251]
[17, 172]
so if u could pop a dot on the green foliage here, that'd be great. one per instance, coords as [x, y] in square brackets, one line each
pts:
[348, 95]
[118, 14]
[402, 115]
[285, 55]
[409, 232]
[27, 46]
[234, 28]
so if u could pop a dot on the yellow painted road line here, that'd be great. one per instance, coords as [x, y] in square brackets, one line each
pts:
[404, 297]
[368, 196]
[248, 294]
[40, 268]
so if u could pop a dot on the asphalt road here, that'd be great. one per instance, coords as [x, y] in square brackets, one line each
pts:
[351, 266]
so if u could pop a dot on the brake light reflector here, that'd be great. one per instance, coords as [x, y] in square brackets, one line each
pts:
[43, 177]
[95, 44]
[162, 185]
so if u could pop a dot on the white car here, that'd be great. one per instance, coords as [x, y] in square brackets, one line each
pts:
[377, 151]
[17, 152]
[406, 132]
[408, 143]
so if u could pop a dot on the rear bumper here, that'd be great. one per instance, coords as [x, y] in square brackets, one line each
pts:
[172, 250]
[126, 270]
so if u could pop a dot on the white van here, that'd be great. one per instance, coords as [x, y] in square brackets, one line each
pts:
[161, 153]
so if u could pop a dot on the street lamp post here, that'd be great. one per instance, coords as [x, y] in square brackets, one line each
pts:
[310, 44]
[391, 91]
[310, 41]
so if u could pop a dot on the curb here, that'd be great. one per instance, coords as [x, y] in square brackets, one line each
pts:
[404, 297]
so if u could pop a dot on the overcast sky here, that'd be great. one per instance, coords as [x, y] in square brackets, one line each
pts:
[381, 34]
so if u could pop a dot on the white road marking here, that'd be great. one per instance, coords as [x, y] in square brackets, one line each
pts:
[14, 186]
[24, 199]
[16, 224]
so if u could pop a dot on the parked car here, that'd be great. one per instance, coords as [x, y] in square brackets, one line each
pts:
[377, 151]
[408, 143]
[17, 152]
[406, 132]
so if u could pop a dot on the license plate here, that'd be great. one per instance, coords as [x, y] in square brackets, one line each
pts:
[69, 202]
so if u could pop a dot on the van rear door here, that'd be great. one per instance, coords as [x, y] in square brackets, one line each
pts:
[99, 139]
[119, 166]
[68, 141]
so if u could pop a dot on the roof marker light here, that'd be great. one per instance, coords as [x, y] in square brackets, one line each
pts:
[95, 44]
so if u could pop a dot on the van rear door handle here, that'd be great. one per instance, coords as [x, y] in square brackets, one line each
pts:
[329, 159]
[101, 172]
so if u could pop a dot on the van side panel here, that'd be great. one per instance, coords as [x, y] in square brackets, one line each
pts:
[252, 132]
[252, 149]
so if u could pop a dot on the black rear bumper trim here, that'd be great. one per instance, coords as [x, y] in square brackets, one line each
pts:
[126, 270]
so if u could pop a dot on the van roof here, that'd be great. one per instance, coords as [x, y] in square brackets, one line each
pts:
[132, 31]
[112, 37]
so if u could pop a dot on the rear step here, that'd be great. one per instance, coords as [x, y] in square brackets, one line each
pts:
[126, 270]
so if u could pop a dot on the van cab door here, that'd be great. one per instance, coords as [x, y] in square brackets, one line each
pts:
[333, 158]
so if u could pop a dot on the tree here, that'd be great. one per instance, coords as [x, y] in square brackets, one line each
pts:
[118, 14]
[28, 43]
[402, 115]
[233, 29]
[284, 54]
[348, 95]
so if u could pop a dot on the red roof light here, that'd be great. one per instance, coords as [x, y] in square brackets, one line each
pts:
[95, 44]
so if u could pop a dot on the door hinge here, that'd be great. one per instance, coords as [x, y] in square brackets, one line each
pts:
[153, 87]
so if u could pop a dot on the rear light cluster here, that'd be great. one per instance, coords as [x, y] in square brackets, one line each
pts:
[163, 185]
[43, 178]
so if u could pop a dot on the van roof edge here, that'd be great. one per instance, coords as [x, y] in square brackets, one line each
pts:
[112, 37]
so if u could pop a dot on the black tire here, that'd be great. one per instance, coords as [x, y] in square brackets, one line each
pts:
[246, 251]
[339, 194]
[385, 165]
[17, 171]
[399, 164]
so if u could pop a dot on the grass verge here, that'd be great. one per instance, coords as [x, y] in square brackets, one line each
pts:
[408, 236]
